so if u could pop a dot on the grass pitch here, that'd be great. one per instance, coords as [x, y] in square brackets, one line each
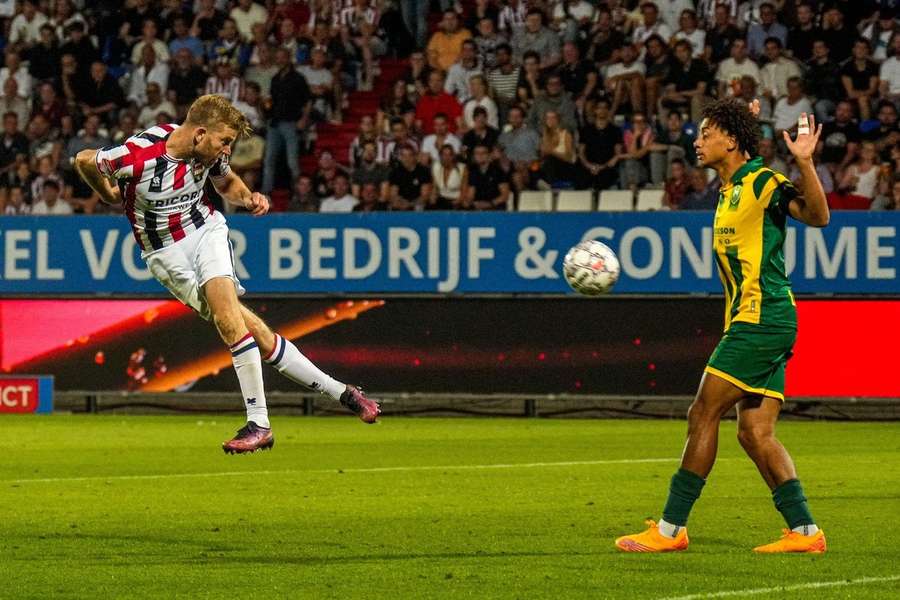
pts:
[150, 507]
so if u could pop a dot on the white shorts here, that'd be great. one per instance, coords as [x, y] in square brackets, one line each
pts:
[185, 266]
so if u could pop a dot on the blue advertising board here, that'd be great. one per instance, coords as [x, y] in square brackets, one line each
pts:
[445, 253]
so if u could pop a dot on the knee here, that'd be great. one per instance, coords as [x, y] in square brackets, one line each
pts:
[753, 437]
[702, 411]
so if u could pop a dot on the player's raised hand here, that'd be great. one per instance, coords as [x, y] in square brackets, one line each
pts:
[258, 204]
[808, 134]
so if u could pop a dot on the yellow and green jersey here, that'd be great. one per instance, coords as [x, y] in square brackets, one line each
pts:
[748, 235]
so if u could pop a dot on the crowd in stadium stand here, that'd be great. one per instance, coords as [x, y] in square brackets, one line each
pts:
[450, 104]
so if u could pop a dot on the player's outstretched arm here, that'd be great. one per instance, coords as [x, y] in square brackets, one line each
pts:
[86, 167]
[233, 189]
[811, 206]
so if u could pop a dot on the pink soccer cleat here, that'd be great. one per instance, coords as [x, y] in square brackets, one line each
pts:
[250, 438]
[355, 399]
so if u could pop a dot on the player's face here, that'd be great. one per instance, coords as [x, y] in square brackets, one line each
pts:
[213, 143]
[712, 144]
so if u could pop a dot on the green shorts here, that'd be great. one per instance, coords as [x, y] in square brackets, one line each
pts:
[754, 358]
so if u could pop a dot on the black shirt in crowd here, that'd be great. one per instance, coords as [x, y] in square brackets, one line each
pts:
[473, 138]
[600, 144]
[836, 137]
[97, 94]
[487, 183]
[575, 77]
[187, 85]
[687, 77]
[800, 42]
[720, 42]
[409, 182]
[823, 80]
[290, 94]
[860, 77]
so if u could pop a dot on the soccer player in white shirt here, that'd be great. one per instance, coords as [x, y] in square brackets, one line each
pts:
[159, 176]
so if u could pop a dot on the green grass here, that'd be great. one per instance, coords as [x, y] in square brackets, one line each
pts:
[308, 526]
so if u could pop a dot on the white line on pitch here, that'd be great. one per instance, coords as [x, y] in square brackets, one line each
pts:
[534, 465]
[815, 585]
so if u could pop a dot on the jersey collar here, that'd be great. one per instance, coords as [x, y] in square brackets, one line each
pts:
[754, 164]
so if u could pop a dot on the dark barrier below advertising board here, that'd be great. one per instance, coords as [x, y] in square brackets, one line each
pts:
[463, 346]
[445, 253]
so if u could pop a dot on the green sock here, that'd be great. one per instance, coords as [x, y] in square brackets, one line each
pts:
[683, 492]
[791, 503]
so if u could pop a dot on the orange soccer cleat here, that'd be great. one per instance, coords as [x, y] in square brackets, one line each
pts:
[793, 541]
[653, 541]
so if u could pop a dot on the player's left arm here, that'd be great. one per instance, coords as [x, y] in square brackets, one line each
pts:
[233, 189]
[810, 206]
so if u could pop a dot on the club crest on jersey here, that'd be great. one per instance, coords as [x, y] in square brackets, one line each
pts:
[156, 182]
[735, 198]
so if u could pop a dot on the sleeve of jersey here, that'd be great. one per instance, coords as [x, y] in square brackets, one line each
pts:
[777, 193]
[114, 162]
[221, 168]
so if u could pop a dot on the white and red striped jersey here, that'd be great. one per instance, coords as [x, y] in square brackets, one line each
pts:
[353, 19]
[163, 197]
[230, 89]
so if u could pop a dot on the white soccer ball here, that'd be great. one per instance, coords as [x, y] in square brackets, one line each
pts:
[591, 268]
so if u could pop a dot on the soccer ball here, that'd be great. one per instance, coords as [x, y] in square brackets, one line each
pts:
[591, 268]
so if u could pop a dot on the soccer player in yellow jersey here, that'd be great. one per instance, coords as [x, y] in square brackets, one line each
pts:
[746, 369]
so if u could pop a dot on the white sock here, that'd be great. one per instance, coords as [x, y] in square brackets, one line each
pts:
[806, 529]
[248, 366]
[668, 530]
[291, 363]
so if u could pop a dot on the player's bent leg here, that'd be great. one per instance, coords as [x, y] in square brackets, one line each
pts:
[756, 432]
[221, 297]
[714, 398]
[285, 357]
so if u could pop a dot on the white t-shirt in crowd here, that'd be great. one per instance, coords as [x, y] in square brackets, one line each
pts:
[787, 114]
[890, 72]
[344, 204]
[61, 207]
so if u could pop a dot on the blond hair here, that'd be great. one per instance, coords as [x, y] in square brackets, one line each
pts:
[211, 110]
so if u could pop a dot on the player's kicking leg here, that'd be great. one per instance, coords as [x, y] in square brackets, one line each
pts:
[756, 433]
[290, 362]
[221, 297]
[715, 397]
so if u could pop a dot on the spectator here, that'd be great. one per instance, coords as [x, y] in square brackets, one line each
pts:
[504, 79]
[247, 14]
[227, 45]
[789, 108]
[89, 137]
[598, 144]
[513, 15]
[889, 73]
[11, 101]
[777, 71]
[415, 13]
[462, 71]
[841, 138]
[371, 199]
[446, 43]
[488, 41]
[393, 106]
[369, 170]
[770, 158]
[689, 32]
[25, 29]
[856, 187]
[367, 133]
[450, 179]
[686, 85]
[732, 69]
[341, 201]
[702, 194]
[134, 16]
[49, 202]
[674, 141]
[154, 106]
[13, 147]
[224, 82]
[43, 57]
[531, 83]
[432, 144]
[80, 46]
[246, 159]
[487, 186]
[721, 35]
[534, 37]
[521, 145]
[481, 132]
[634, 162]
[263, 70]
[572, 18]
[768, 27]
[625, 80]
[101, 95]
[748, 94]
[822, 171]
[304, 199]
[323, 87]
[579, 77]
[888, 202]
[410, 182]
[824, 81]
[859, 77]
[326, 174]
[650, 25]
[126, 127]
[879, 33]
[149, 37]
[416, 75]
[14, 68]
[658, 65]
[251, 105]
[557, 151]
[182, 39]
[149, 70]
[838, 37]
[677, 185]
[208, 21]
[15, 202]
[360, 31]
[606, 40]
[803, 33]
[434, 101]
[885, 134]
[289, 109]
[400, 138]
[186, 81]
[671, 12]
[50, 105]
[479, 97]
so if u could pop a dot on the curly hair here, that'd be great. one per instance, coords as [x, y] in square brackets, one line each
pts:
[735, 119]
